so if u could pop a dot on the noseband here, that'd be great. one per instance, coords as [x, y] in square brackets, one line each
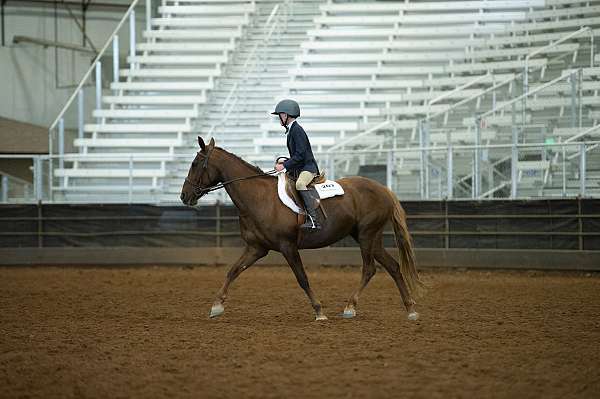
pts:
[200, 191]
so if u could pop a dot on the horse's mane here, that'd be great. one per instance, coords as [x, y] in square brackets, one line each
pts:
[248, 164]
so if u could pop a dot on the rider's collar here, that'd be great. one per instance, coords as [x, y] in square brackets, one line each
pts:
[289, 127]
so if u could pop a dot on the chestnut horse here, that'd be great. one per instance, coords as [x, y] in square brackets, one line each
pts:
[267, 224]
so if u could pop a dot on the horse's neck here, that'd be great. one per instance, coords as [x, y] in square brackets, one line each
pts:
[242, 192]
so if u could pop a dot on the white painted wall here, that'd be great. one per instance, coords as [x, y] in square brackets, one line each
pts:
[31, 90]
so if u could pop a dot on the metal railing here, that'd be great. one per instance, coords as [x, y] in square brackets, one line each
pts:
[479, 119]
[130, 27]
[95, 69]
[255, 61]
[585, 29]
[495, 108]
[564, 171]
[524, 75]
[584, 133]
[458, 163]
[12, 187]
[97, 65]
[510, 82]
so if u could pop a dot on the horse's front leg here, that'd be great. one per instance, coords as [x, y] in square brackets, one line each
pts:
[248, 258]
[290, 252]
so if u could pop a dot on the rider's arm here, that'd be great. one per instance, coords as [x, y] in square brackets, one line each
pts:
[301, 144]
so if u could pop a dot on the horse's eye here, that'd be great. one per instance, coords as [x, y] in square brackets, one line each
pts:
[194, 163]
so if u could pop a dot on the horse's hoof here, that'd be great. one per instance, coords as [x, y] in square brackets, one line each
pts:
[216, 310]
[349, 313]
[413, 316]
[321, 317]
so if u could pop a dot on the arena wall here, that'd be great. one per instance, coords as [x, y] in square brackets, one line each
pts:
[541, 234]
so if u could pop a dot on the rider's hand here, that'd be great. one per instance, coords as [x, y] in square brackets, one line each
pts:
[279, 167]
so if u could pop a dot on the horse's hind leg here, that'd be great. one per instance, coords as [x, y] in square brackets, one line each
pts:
[290, 252]
[368, 271]
[393, 268]
[250, 255]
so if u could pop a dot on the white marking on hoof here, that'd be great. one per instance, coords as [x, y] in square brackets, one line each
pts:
[413, 316]
[216, 310]
[321, 317]
[349, 313]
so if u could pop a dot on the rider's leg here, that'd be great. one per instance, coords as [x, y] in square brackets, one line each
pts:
[310, 201]
[304, 180]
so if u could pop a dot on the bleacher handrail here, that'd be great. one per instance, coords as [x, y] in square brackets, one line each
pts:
[7, 181]
[463, 87]
[458, 89]
[537, 89]
[478, 79]
[585, 149]
[584, 29]
[273, 12]
[515, 77]
[94, 62]
[232, 97]
[564, 39]
[583, 133]
[474, 97]
[15, 178]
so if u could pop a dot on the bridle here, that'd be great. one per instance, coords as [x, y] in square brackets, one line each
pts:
[200, 191]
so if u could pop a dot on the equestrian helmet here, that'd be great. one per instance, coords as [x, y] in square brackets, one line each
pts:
[289, 107]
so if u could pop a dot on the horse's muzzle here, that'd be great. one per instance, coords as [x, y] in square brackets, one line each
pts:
[188, 200]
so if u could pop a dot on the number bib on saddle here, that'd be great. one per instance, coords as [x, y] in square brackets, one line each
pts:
[329, 189]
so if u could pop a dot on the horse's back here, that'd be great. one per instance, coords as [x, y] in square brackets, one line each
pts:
[366, 194]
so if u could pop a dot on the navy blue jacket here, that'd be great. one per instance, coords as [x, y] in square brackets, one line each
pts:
[301, 155]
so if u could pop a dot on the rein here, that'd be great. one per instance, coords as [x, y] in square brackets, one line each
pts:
[204, 190]
[198, 190]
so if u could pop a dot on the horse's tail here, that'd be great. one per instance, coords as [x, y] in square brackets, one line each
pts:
[404, 242]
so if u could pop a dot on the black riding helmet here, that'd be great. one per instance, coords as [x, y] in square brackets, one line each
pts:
[289, 107]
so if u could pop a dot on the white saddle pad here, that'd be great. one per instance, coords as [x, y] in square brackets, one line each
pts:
[326, 190]
[283, 195]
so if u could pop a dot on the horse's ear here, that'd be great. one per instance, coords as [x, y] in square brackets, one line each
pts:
[212, 142]
[201, 143]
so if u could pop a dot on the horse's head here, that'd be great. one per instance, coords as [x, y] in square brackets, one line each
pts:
[202, 174]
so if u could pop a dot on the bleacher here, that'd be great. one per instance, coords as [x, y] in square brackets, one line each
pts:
[362, 43]
[149, 113]
[211, 68]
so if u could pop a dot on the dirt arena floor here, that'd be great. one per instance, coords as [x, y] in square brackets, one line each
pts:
[145, 332]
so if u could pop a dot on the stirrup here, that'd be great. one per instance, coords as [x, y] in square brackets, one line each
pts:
[310, 224]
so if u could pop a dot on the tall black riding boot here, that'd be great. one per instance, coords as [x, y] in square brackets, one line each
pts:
[311, 202]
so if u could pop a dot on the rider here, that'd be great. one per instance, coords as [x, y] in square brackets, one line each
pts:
[301, 163]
